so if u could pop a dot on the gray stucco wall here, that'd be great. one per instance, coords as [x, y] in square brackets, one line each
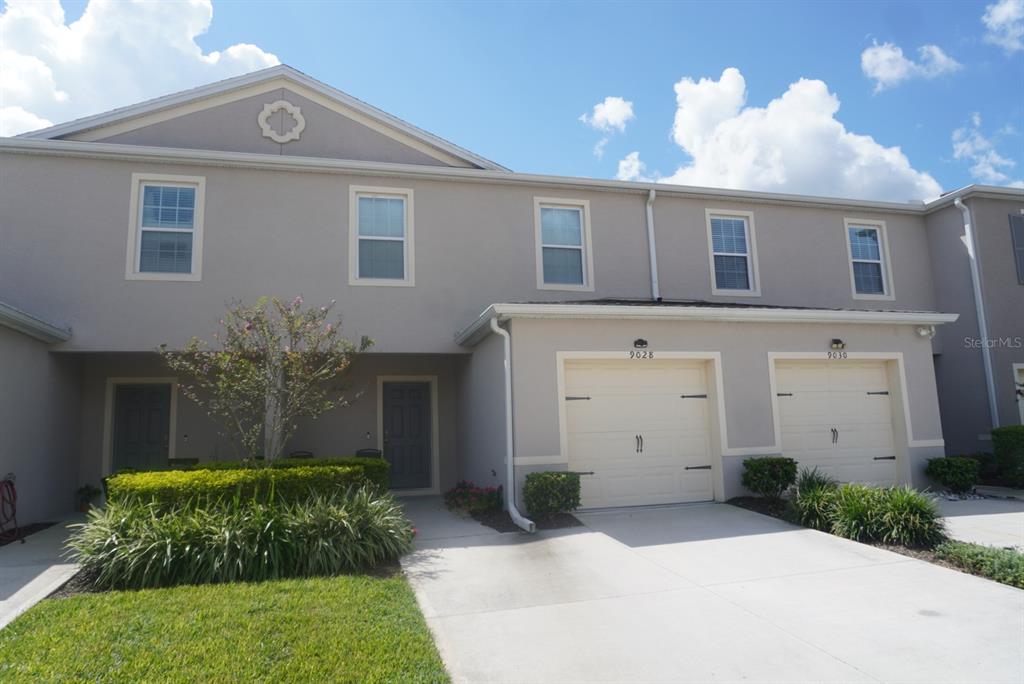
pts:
[337, 433]
[482, 415]
[286, 233]
[39, 422]
[744, 349]
[233, 127]
[959, 368]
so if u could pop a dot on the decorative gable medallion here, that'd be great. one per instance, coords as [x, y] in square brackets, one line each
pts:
[268, 130]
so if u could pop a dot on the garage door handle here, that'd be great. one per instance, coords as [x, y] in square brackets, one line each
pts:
[783, 394]
[707, 467]
[885, 458]
[577, 398]
[693, 396]
[885, 394]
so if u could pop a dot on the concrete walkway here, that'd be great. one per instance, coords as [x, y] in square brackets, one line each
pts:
[31, 571]
[992, 522]
[702, 593]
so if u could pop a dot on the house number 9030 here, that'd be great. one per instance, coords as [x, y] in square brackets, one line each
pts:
[837, 355]
[643, 354]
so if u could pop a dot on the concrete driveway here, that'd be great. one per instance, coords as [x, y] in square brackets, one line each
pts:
[992, 522]
[702, 593]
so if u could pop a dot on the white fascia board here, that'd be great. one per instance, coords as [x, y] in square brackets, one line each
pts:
[479, 328]
[227, 85]
[16, 319]
[168, 155]
[983, 191]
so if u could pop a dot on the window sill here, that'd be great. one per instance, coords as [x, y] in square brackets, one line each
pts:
[165, 277]
[735, 293]
[565, 288]
[381, 282]
[872, 297]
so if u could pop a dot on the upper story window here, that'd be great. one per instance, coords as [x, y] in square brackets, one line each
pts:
[733, 253]
[1017, 235]
[867, 244]
[166, 231]
[380, 236]
[564, 256]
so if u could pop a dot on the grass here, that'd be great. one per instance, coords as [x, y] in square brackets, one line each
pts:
[352, 628]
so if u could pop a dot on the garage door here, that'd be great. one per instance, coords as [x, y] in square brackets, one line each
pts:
[641, 429]
[837, 416]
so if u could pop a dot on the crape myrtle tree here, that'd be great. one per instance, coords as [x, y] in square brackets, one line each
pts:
[272, 364]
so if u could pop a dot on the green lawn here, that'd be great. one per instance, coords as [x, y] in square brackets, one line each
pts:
[338, 629]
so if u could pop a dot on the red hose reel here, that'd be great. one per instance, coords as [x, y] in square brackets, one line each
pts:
[8, 509]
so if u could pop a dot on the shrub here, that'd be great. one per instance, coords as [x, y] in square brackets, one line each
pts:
[909, 518]
[473, 499]
[770, 476]
[891, 515]
[814, 499]
[550, 492]
[1001, 565]
[135, 545]
[1008, 444]
[376, 470]
[987, 467]
[215, 487]
[855, 512]
[958, 474]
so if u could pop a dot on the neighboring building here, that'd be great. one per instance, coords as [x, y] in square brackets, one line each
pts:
[655, 340]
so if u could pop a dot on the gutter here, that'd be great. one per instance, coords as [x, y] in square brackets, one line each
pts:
[970, 241]
[510, 471]
[655, 290]
[478, 329]
[16, 319]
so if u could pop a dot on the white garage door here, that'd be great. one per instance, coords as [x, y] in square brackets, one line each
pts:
[837, 416]
[641, 429]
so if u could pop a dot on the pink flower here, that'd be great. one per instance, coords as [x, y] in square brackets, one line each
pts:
[297, 302]
[329, 327]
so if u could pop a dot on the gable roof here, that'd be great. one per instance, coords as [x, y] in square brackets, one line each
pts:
[16, 319]
[427, 142]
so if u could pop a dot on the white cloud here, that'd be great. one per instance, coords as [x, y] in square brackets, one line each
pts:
[888, 67]
[632, 169]
[610, 115]
[987, 165]
[1004, 24]
[794, 144]
[116, 54]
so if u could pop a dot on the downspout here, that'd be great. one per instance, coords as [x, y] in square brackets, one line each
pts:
[510, 472]
[970, 242]
[655, 290]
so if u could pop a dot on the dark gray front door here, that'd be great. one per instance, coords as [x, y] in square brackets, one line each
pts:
[407, 436]
[142, 426]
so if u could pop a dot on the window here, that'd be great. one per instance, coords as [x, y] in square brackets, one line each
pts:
[564, 260]
[733, 253]
[380, 236]
[868, 252]
[165, 238]
[1017, 236]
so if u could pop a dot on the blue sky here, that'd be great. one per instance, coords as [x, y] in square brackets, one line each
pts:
[510, 81]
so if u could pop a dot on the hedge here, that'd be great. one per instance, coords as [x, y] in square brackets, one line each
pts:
[1008, 444]
[958, 474]
[376, 470]
[551, 492]
[174, 487]
[769, 476]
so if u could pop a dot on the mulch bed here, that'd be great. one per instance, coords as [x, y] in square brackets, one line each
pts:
[502, 521]
[26, 530]
[78, 584]
[758, 505]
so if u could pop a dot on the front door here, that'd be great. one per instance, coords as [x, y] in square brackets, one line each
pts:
[142, 426]
[407, 438]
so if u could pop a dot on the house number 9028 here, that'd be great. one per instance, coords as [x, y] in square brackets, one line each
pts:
[643, 354]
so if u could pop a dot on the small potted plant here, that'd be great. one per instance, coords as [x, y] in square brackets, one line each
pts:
[86, 494]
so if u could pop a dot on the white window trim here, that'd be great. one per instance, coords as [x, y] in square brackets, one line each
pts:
[752, 270]
[1018, 377]
[587, 249]
[887, 281]
[131, 270]
[356, 191]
